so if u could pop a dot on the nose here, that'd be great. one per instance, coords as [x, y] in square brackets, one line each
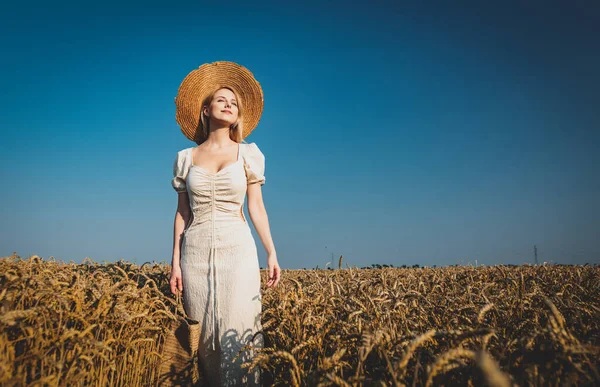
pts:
[227, 103]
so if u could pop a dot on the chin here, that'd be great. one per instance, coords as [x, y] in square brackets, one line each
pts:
[227, 120]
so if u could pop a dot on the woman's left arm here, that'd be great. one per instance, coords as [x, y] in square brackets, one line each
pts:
[260, 220]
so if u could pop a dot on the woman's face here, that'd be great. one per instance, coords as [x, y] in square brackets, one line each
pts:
[223, 108]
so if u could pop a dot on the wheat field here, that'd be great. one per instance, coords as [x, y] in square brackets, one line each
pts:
[105, 324]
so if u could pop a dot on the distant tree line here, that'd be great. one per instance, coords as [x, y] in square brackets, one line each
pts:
[417, 266]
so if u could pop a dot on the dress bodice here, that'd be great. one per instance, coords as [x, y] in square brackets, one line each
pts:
[218, 197]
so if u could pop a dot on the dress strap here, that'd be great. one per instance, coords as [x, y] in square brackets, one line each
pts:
[239, 154]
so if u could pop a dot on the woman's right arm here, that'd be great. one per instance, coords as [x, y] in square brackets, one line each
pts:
[182, 216]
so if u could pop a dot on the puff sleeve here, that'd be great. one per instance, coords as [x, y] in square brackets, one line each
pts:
[254, 164]
[180, 171]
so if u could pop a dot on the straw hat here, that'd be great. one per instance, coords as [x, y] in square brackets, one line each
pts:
[208, 78]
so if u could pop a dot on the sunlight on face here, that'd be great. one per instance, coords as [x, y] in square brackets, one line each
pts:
[224, 107]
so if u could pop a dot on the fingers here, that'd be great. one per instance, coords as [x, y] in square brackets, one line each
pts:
[270, 279]
[176, 284]
[274, 276]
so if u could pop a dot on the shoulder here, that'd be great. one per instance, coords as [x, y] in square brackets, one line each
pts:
[184, 153]
[251, 149]
[183, 157]
[254, 163]
[186, 150]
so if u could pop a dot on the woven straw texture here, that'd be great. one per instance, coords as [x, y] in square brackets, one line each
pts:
[180, 362]
[208, 78]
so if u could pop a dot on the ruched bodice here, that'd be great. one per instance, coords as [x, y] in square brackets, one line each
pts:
[218, 197]
[219, 262]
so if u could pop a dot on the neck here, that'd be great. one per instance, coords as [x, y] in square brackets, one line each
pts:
[219, 136]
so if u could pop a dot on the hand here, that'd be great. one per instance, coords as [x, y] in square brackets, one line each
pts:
[274, 270]
[176, 281]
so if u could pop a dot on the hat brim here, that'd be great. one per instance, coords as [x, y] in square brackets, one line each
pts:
[199, 83]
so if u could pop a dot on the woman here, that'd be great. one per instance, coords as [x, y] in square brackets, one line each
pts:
[215, 260]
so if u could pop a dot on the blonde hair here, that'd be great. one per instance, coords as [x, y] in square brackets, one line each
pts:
[235, 130]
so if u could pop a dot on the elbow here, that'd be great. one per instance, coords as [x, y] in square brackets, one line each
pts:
[184, 213]
[256, 209]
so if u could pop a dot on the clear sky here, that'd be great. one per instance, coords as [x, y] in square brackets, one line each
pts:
[418, 133]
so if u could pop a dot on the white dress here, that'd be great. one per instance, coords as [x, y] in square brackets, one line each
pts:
[219, 264]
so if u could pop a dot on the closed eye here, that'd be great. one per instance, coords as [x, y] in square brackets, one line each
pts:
[222, 100]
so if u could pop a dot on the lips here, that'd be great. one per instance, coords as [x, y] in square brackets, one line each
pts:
[227, 111]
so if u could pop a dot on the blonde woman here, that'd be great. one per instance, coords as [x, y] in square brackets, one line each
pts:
[215, 261]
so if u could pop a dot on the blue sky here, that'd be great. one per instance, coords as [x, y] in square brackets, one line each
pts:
[431, 133]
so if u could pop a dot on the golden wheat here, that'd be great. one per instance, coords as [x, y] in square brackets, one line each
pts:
[105, 324]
